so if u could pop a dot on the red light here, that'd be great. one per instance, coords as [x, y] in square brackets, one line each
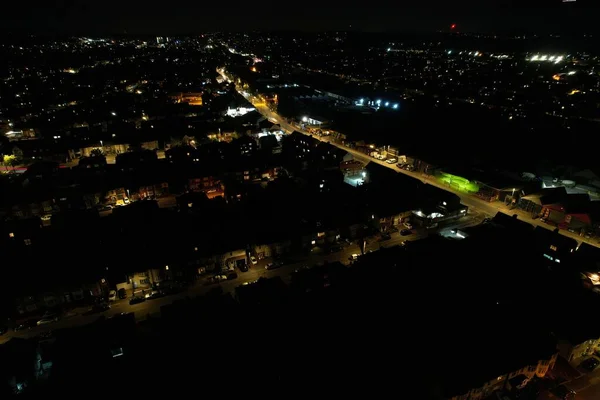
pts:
[453, 26]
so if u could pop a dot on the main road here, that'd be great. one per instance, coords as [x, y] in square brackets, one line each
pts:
[490, 208]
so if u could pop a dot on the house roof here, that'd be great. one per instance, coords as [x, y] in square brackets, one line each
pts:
[512, 223]
[548, 238]
[577, 203]
[547, 196]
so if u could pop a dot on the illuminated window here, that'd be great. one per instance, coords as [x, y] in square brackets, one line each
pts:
[552, 247]
[320, 234]
[11, 235]
[27, 242]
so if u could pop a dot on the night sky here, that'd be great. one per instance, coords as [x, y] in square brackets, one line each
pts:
[175, 17]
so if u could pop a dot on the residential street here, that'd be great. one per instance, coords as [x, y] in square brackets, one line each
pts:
[150, 307]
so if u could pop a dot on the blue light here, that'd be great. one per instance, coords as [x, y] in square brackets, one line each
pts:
[378, 101]
[395, 106]
[387, 103]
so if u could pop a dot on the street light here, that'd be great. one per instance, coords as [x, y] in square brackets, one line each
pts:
[166, 267]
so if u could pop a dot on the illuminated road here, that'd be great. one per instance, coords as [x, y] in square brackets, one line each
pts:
[473, 202]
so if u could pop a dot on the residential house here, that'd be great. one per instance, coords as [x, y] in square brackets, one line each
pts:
[143, 281]
[543, 202]
[529, 355]
[329, 156]
[552, 245]
[437, 206]
[244, 146]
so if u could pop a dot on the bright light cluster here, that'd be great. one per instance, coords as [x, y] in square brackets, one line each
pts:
[547, 58]
[377, 103]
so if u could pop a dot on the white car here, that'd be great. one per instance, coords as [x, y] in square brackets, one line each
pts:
[408, 225]
[47, 319]
[253, 260]
[112, 295]
[46, 217]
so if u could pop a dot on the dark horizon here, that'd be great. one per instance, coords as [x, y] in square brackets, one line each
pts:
[111, 18]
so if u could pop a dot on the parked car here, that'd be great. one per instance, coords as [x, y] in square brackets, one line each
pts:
[3, 330]
[25, 325]
[405, 232]
[590, 364]
[335, 248]
[48, 318]
[231, 275]
[385, 236]
[122, 293]
[98, 308]
[274, 265]
[253, 260]
[302, 267]
[407, 225]
[391, 160]
[563, 392]
[155, 294]
[243, 267]
[136, 300]
[112, 295]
